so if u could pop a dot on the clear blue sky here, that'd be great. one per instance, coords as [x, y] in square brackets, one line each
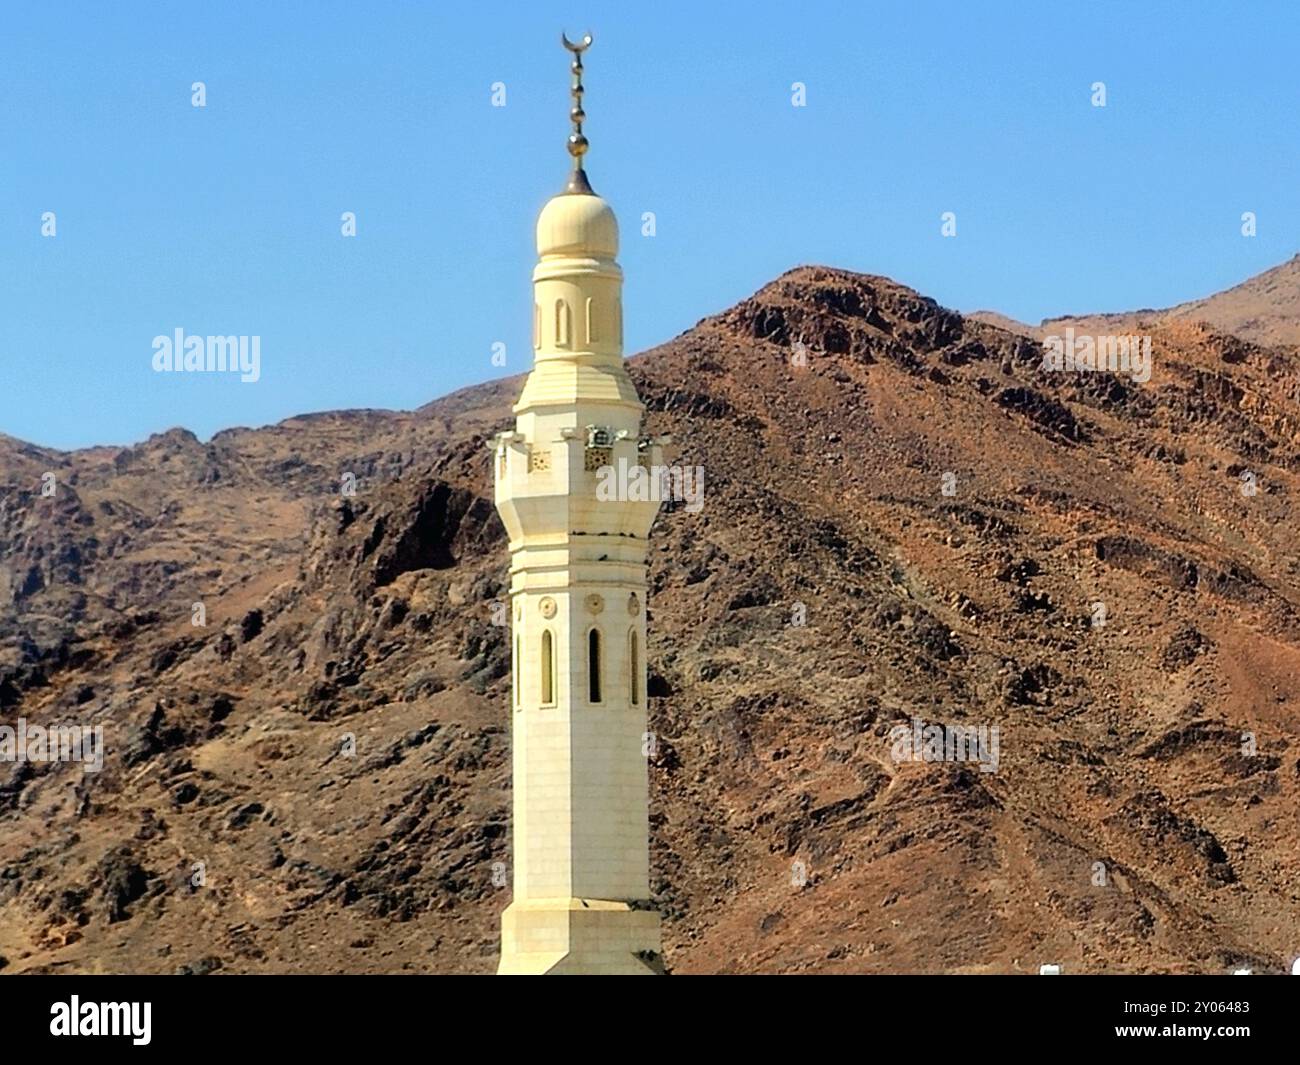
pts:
[225, 219]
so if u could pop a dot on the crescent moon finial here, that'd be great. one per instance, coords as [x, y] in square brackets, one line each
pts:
[576, 49]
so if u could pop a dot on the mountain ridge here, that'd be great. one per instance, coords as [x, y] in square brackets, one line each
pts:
[1264, 309]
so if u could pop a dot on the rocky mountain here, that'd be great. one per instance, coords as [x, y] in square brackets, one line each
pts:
[1264, 309]
[904, 517]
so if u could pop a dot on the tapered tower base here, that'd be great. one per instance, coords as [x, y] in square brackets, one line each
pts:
[574, 937]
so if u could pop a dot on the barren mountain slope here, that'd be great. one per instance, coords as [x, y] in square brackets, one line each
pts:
[1264, 309]
[372, 617]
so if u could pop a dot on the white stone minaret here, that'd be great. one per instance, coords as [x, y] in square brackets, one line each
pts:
[578, 602]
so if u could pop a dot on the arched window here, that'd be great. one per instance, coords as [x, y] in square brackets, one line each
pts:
[561, 324]
[548, 669]
[515, 678]
[593, 666]
[634, 665]
[591, 320]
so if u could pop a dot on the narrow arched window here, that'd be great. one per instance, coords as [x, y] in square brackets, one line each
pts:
[548, 669]
[515, 678]
[561, 324]
[593, 666]
[634, 665]
[591, 320]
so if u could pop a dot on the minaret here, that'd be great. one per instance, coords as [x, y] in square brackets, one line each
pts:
[578, 603]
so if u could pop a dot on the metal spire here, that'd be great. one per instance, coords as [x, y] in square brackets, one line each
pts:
[577, 142]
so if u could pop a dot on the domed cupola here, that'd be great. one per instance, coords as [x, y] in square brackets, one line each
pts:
[577, 225]
[577, 298]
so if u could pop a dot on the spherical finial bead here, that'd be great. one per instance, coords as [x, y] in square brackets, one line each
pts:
[577, 145]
